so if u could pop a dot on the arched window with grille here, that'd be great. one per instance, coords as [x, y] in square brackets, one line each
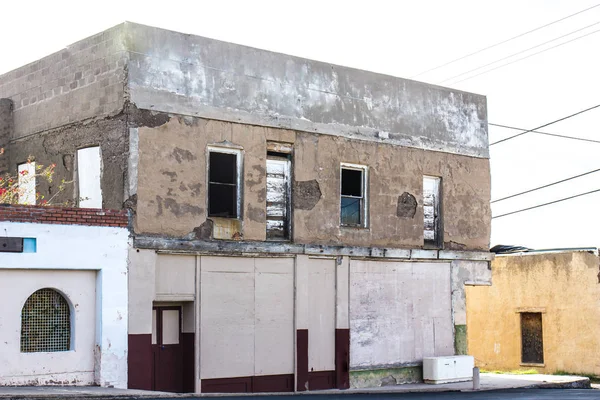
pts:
[45, 322]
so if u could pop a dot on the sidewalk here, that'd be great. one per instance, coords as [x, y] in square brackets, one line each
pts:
[488, 382]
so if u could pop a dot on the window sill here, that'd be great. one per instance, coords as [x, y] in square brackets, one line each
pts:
[533, 365]
[354, 227]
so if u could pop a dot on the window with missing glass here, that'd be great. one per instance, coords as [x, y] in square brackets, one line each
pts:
[432, 211]
[223, 183]
[353, 201]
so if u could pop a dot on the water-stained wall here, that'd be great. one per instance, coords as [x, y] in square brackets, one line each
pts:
[564, 287]
[192, 75]
[171, 196]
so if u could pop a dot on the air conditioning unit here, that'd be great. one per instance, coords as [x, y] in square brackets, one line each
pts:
[448, 369]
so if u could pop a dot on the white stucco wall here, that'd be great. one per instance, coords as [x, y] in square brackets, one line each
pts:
[400, 312]
[74, 248]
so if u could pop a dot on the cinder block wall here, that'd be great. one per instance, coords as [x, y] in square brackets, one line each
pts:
[81, 81]
[6, 124]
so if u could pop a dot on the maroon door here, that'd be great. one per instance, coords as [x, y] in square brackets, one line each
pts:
[166, 350]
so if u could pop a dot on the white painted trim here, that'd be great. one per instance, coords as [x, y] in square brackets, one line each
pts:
[239, 153]
[365, 188]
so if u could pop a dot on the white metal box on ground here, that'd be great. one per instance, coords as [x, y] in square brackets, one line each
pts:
[448, 369]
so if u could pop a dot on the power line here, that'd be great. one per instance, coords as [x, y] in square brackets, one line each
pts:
[546, 133]
[542, 126]
[524, 58]
[545, 204]
[516, 54]
[545, 186]
[503, 41]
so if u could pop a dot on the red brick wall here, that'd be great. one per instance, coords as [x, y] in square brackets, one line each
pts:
[63, 215]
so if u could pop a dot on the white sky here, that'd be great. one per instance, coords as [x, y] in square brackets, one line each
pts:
[404, 38]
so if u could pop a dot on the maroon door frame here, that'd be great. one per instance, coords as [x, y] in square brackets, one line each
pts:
[167, 360]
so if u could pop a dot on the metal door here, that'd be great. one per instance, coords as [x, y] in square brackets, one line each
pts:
[166, 350]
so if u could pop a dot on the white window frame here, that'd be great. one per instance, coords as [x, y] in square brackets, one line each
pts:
[27, 183]
[365, 194]
[239, 170]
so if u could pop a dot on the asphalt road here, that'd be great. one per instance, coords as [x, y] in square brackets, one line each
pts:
[524, 394]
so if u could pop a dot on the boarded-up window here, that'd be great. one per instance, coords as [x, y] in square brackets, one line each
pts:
[89, 172]
[278, 196]
[353, 199]
[223, 183]
[27, 193]
[432, 219]
[532, 343]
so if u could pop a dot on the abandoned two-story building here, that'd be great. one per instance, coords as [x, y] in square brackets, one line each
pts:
[296, 225]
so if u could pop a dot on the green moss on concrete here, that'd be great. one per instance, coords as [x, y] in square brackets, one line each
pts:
[374, 378]
[460, 340]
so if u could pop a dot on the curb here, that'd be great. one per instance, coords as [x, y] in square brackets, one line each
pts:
[583, 383]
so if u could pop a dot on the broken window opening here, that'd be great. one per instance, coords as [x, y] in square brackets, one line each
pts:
[278, 196]
[432, 219]
[532, 342]
[353, 199]
[223, 184]
[26, 182]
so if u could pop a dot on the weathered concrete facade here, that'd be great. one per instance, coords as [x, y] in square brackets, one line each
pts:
[160, 104]
[181, 205]
[562, 289]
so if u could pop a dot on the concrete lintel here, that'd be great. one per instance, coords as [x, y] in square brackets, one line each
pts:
[397, 253]
[174, 297]
[424, 254]
[173, 245]
[466, 255]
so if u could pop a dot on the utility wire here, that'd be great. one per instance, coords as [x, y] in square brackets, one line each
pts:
[545, 186]
[503, 41]
[516, 54]
[545, 204]
[546, 133]
[524, 58]
[542, 126]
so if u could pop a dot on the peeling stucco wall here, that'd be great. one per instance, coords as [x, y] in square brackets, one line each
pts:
[197, 76]
[171, 197]
[59, 146]
[90, 263]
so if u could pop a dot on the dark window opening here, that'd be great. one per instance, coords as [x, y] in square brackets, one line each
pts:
[222, 185]
[278, 196]
[532, 343]
[352, 197]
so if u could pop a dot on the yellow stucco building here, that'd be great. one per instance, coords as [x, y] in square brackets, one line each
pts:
[542, 311]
